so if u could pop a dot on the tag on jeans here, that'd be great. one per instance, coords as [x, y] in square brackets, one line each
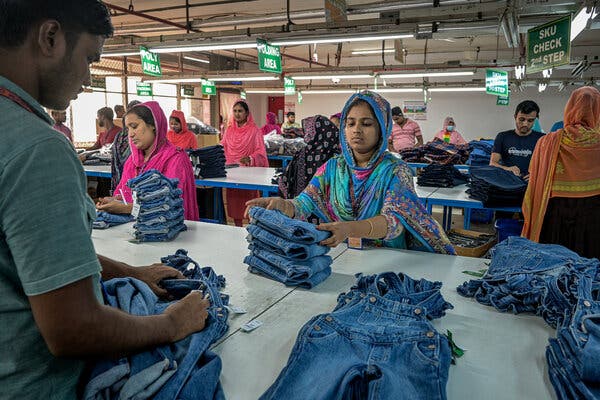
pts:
[477, 274]
[355, 243]
[236, 309]
[252, 325]
[135, 211]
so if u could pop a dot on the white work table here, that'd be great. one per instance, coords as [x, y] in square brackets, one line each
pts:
[251, 178]
[102, 171]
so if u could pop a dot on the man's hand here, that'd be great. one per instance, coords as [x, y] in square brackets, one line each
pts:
[514, 169]
[188, 315]
[340, 231]
[153, 274]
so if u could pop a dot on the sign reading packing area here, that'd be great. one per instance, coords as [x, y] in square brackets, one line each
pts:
[496, 82]
[143, 88]
[549, 45]
[150, 62]
[269, 57]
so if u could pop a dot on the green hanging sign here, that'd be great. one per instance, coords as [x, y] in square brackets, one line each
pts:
[150, 62]
[188, 90]
[496, 82]
[502, 100]
[269, 57]
[299, 98]
[209, 87]
[289, 86]
[243, 95]
[98, 81]
[549, 45]
[144, 88]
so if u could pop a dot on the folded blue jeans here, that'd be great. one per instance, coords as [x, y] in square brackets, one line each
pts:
[263, 267]
[284, 247]
[287, 228]
[160, 237]
[106, 220]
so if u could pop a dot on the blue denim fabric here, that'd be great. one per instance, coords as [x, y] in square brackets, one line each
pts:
[295, 269]
[160, 237]
[161, 217]
[284, 247]
[150, 178]
[298, 276]
[160, 227]
[182, 370]
[154, 195]
[106, 220]
[151, 209]
[285, 227]
[370, 347]
[498, 177]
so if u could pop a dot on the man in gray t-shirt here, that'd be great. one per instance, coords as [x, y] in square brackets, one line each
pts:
[51, 312]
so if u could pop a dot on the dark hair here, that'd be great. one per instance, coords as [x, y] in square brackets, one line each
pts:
[176, 119]
[18, 17]
[397, 111]
[132, 104]
[243, 105]
[144, 113]
[290, 113]
[119, 107]
[527, 107]
[106, 112]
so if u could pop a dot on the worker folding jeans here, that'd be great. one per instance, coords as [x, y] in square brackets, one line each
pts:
[106, 220]
[279, 224]
[379, 341]
[284, 247]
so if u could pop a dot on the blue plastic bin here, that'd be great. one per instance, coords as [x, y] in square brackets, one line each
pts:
[508, 227]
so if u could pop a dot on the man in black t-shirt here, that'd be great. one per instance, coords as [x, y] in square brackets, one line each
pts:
[513, 149]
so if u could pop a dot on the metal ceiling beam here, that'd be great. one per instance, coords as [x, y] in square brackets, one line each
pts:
[194, 5]
[146, 16]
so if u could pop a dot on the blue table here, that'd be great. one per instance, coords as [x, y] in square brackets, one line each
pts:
[415, 166]
[284, 160]
[99, 171]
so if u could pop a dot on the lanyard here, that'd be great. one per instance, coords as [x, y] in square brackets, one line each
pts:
[4, 92]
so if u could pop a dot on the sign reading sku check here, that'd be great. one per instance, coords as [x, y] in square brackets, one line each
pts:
[549, 45]
[289, 85]
[143, 88]
[209, 87]
[269, 57]
[150, 62]
[496, 82]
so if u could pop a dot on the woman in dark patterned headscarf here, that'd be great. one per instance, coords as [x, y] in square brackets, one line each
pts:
[322, 142]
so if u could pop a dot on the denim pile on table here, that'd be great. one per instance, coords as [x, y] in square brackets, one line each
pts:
[105, 220]
[183, 370]
[458, 239]
[439, 175]
[481, 152]
[438, 152]
[277, 145]
[496, 187]
[378, 343]
[564, 289]
[102, 156]
[286, 250]
[160, 216]
[208, 162]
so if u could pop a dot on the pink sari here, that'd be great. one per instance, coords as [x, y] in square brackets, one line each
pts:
[238, 142]
[164, 157]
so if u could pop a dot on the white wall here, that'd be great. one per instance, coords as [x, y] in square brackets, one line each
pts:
[259, 106]
[475, 113]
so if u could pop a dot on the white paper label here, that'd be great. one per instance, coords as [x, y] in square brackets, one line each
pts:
[252, 325]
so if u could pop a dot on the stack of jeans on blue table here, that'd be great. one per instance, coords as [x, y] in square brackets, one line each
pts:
[286, 250]
[561, 287]
[208, 162]
[441, 176]
[160, 217]
[481, 152]
[105, 220]
[183, 370]
[496, 187]
[378, 343]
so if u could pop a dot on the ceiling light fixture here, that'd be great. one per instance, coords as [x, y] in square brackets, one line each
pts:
[542, 87]
[243, 78]
[399, 90]
[547, 73]
[341, 91]
[208, 47]
[361, 52]
[458, 89]
[121, 54]
[579, 23]
[333, 76]
[197, 59]
[265, 91]
[427, 75]
[340, 39]
[519, 71]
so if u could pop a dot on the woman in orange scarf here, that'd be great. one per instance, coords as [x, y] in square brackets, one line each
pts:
[562, 203]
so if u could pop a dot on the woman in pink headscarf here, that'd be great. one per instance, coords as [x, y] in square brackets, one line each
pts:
[271, 124]
[243, 144]
[449, 134]
[150, 149]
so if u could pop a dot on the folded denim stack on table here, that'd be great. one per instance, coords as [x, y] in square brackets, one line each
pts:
[496, 187]
[440, 152]
[438, 175]
[379, 338]
[208, 162]
[412, 154]
[185, 370]
[105, 220]
[561, 287]
[481, 152]
[286, 250]
[160, 216]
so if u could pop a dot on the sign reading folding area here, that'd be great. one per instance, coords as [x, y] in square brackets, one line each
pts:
[269, 57]
[549, 45]
[496, 82]
[150, 62]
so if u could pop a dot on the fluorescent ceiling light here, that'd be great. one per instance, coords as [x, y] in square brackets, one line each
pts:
[458, 89]
[359, 52]
[242, 78]
[342, 39]
[250, 91]
[322, 77]
[579, 23]
[427, 75]
[175, 80]
[398, 90]
[208, 47]
[121, 54]
[341, 91]
[197, 59]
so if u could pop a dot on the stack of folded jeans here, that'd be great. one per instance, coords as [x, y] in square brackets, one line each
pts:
[412, 154]
[481, 152]
[208, 162]
[160, 216]
[496, 187]
[564, 289]
[465, 241]
[184, 370]
[439, 175]
[379, 338]
[106, 220]
[286, 250]
[438, 151]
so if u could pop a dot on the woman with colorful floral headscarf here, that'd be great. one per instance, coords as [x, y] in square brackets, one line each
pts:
[366, 191]
[562, 202]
